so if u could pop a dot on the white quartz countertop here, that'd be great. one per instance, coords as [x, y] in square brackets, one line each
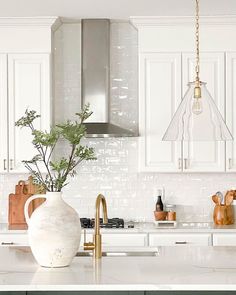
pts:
[149, 227]
[174, 268]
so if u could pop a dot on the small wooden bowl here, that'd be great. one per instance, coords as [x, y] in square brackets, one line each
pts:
[160, 215]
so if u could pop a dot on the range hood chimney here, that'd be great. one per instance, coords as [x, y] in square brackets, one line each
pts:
[96, 79]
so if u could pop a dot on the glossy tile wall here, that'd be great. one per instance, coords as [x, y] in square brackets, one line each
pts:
[130, 194]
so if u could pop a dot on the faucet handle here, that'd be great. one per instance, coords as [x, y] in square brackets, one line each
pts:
[89, 245]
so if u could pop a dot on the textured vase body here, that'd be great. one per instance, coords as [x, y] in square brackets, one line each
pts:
[54, 231]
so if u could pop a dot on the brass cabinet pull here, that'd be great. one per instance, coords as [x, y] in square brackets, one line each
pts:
[185, 163]
[180, 164]
[180, 242]
[11, 164]
[230, 163]
[4, 164]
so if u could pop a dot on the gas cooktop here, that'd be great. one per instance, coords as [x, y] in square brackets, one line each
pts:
[112, 223]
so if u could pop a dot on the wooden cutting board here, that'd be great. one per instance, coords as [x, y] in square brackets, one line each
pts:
[17, 201]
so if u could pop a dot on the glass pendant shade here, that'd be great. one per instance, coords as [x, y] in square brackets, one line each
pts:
[197, 119]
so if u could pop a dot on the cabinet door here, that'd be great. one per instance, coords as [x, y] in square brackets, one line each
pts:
[160, 95]
[28, 87]
[180, 239]
[119, 239]
[231, 110]
[14, 240]
[206, 156]
[224, 239]
[3, 113]
[124, 240]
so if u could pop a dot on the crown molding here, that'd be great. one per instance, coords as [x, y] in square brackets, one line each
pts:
[42, 21]
[150, 21]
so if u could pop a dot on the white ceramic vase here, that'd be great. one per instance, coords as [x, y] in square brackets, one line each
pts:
[54, 231]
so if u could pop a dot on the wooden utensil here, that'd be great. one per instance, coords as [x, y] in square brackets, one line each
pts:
[216, 199]
[229, 197]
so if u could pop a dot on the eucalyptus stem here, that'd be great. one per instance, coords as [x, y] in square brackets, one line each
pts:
[43, 154]
[39, 172]
[57, 170]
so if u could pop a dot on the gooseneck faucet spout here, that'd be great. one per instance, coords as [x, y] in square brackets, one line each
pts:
[96, 246]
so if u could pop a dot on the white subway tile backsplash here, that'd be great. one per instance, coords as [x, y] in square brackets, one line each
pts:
[130, 195]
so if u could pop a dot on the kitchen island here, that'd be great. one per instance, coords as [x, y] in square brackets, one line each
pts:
[169, 269]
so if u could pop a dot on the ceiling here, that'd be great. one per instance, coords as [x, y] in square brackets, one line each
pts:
[119, 9]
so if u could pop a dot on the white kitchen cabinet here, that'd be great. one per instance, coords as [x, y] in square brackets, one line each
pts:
[108, 239]
[119, 239]
[126, 240]
[25, 82]
[160, 95]
[231, 110]
[161, 40]
[224, 239]
[13, 239]
[28, 88]
[3, 113]
[180, 239]
[161, 75]
[206, 156]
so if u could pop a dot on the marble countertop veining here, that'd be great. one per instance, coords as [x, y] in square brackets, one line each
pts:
[174, 268]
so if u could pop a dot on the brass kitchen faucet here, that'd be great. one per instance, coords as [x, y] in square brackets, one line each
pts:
[96, 245]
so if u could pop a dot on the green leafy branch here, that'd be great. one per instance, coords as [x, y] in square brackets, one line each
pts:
[45, 142]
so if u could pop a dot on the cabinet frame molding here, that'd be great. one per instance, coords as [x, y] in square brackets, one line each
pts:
[170, 62]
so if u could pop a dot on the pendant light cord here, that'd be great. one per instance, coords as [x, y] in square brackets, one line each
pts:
[197, 68]
[197, 88]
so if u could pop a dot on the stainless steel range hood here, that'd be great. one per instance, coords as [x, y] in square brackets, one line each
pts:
[96, 79]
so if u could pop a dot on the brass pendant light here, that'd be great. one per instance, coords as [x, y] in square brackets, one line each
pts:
[197, 117]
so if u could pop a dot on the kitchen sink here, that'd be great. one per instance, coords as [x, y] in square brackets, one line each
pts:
[120, 254]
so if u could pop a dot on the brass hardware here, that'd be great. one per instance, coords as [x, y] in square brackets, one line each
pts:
[96, 246]
[197, 68]
[11, 164]
[230, 163]
[197, 89]
[181, 243]
[4, 164]
[89, 245]
[185, 163]
[180, 163]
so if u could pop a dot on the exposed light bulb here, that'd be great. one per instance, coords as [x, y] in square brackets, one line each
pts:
[197, 106]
